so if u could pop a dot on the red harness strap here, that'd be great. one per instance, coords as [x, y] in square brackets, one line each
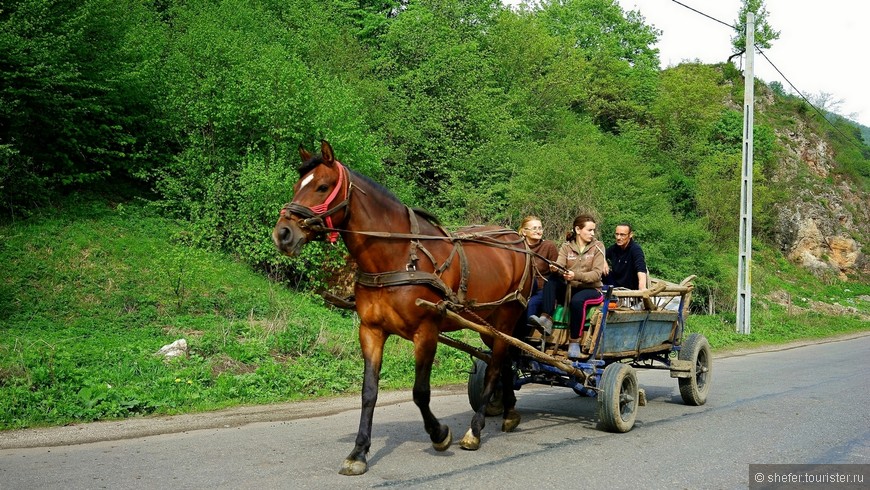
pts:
[331, 237]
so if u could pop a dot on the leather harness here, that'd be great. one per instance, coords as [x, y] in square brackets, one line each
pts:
[318, 220]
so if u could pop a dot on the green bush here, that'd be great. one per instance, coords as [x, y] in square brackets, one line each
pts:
[78, 93]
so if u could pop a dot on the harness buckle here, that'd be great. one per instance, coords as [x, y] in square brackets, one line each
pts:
[314, 224]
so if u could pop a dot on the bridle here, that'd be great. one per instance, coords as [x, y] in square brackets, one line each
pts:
[318, 219]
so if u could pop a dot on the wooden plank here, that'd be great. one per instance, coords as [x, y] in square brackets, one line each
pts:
[486, 330]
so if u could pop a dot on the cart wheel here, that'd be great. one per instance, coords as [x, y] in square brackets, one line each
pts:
[695, 388]
[476, 381]
[618, 398]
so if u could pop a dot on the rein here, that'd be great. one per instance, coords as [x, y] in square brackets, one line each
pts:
[480, 238]
[319, 220]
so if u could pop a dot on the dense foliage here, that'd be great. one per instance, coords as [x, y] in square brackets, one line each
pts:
[475, 111]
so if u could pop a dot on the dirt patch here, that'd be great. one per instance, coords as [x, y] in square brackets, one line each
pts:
[225, 364]
[834, 309]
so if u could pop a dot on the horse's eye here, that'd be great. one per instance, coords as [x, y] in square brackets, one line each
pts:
[322, 188]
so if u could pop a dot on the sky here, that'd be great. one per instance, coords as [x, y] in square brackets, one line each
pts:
[819, 49]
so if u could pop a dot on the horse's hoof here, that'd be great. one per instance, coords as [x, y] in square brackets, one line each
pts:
[469, 442]
[511, 421]
[352, 467]
[443, 445]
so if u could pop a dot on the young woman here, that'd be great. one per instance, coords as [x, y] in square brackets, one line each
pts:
[583, 258]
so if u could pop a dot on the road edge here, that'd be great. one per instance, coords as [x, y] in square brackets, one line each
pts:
[137, 427]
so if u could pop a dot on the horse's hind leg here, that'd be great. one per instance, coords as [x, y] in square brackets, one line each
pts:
[424, 355]
[508, 398]
[471, 439]
[372, 343]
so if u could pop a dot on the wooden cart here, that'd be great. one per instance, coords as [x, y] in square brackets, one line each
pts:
[631, 330]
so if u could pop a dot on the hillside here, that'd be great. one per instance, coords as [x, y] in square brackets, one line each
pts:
[823, 181]
[84, 315]
[478, 113]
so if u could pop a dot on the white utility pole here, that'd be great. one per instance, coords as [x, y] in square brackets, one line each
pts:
[744, 272]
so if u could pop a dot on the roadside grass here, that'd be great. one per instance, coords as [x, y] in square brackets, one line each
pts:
[90, 291]
[773, 326]
[788, 304]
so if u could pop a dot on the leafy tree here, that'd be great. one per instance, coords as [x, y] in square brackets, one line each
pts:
[532, 71]
[429, 57]
[77, 91]
[619, 79]
[777, 88]
[689, 104]
[242, 100]
[764, 33]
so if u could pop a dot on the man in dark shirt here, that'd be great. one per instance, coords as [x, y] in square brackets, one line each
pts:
[627, 263]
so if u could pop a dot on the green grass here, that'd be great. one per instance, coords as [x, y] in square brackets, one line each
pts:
[772, 325]
[90, 291]
[789, 304]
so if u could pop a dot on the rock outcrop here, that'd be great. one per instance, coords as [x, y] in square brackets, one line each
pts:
[823, 223]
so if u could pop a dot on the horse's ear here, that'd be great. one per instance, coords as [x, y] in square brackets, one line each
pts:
[326, 152]
[304, 153]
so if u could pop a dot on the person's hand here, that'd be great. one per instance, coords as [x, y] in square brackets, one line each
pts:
[569, 276]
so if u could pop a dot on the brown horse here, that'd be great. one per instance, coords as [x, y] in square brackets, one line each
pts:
[403, 255]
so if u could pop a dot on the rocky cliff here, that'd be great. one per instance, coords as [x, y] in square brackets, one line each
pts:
[825, 223]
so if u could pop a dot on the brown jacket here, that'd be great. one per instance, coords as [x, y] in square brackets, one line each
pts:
[587, 263]
[546, 249]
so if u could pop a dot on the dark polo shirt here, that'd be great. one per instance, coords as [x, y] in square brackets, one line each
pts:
[624, 265]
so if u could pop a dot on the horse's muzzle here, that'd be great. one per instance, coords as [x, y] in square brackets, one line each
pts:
[288, 238]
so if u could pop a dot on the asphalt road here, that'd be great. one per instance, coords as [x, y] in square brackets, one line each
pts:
[801, 404]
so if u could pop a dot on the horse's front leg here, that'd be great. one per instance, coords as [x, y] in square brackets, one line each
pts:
[372, 344]
[424, 356]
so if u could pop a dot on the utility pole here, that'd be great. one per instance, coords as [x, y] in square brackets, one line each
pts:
[744, 272]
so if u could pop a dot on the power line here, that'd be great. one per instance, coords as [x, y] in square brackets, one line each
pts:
[705, 15]
[848, 139]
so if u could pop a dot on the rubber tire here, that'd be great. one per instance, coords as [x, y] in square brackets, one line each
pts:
[694, 389]
[618, 398]
[476, 381]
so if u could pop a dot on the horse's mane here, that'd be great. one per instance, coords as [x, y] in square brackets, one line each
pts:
[316, 160]
[310, 165]
[425, 213]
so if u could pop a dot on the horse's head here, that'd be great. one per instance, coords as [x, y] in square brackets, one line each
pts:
[320, 199]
